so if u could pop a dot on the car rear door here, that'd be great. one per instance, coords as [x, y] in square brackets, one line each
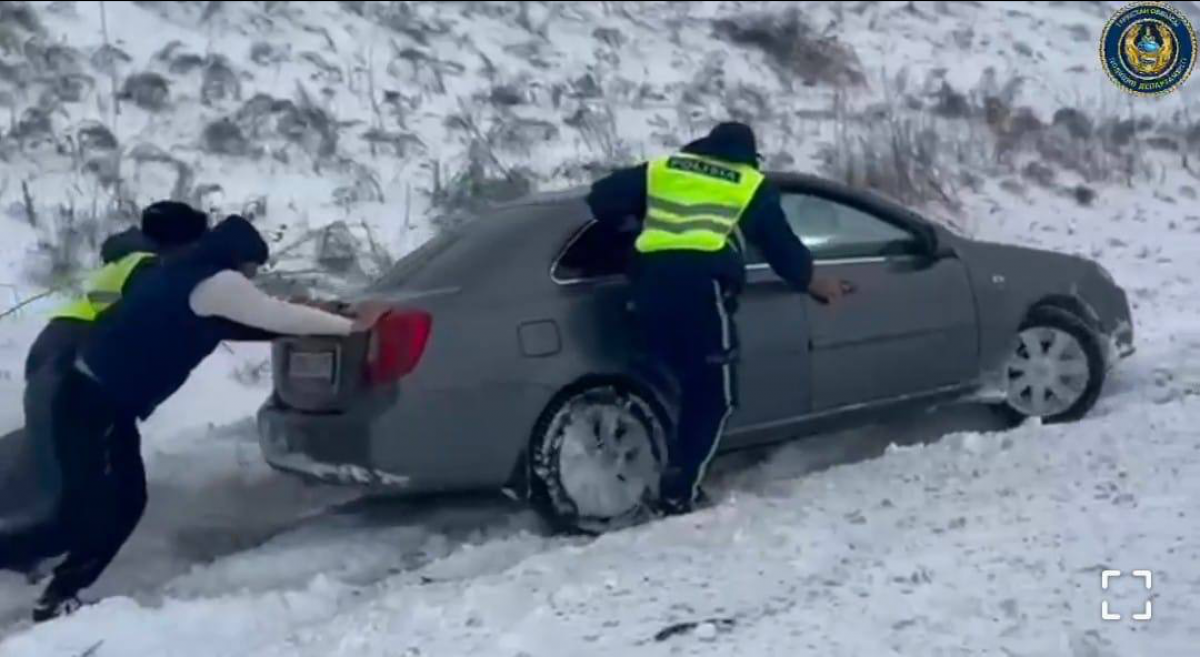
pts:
[910, 327]
[772, 376]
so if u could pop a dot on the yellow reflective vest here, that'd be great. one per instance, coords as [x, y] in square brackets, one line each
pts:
[694, 203]
[103, 289]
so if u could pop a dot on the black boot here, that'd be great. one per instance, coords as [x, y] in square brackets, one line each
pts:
[675, 491]
[53, 604]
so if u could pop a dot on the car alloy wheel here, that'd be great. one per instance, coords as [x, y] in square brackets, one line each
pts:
[597, 459]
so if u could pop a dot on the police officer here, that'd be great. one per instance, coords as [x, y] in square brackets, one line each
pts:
[165, 226]
[694, 208]
[136, 358]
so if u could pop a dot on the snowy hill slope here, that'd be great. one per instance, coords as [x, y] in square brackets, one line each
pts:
[384, 115]
[981, 544]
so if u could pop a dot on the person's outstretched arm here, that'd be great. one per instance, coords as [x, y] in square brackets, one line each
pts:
[232, 296]
[765, 226]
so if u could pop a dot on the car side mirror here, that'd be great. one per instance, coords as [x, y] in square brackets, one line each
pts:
[935, 245]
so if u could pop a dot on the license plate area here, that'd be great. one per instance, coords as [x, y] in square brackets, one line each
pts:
[314, 366]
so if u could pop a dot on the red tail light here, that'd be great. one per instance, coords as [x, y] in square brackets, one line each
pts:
[397, 343]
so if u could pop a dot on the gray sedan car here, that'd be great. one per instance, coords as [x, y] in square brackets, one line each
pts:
[508, 360]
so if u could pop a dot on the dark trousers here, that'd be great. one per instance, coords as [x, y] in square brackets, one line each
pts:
[103, 480]
[56, 345]
[686, 324]
[22, 549]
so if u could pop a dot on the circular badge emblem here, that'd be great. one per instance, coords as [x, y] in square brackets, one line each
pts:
[1148, 48]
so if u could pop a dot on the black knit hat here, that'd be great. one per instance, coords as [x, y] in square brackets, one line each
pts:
[238, 242]
[172, 224]
[736, 139]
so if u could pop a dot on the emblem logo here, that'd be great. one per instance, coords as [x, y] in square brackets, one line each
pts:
[1148, 48]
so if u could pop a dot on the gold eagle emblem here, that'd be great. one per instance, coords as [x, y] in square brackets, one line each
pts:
[1149, 48]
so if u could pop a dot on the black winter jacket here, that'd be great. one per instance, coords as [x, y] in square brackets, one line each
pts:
[144, 347]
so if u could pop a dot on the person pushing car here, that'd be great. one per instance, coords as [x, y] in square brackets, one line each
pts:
[166, 226]
[694, 208]
[137, 357]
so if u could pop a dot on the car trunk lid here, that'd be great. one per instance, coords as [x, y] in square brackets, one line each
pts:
[327, 374]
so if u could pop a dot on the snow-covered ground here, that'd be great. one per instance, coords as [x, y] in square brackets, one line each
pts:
[964, 540]
[983, 543]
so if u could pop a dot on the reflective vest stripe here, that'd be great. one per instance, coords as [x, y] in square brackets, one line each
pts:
[682, 226]
[693, 209]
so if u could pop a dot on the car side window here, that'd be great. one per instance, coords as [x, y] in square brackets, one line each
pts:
[833, 230]
[597, 251]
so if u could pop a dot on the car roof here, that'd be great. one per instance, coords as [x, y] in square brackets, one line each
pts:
[789, 180]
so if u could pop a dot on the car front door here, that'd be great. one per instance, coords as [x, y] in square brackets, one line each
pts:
[910, 326]
[774, 360]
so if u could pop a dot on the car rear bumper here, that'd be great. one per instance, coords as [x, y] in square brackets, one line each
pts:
[332, 449]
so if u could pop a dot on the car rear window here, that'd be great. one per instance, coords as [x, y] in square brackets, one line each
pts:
[596, 251]
[412, 264]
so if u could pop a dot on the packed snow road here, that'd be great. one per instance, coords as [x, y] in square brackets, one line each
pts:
[219, 520]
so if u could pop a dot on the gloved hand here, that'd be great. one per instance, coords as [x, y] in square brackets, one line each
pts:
[827, 290]
[366, 315]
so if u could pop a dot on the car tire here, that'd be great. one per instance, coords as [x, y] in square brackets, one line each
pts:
[1077, 369]
[596, 455]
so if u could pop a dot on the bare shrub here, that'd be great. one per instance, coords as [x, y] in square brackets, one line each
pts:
[178, 61]
[1163, 143]
[597, 127]
[51, 59]
[421, 68]
[1098, 149]
[1084, 195]
[35, 125]
[224, 137]
[364, 187]
[68, 240]
[1038, 173]
[1076, 124]
[301, 122]
[474, 184]
[405, 18]
[108, 57]
[793, 47]
[951, 104]
[69, 88]
[149, 91]
[266, 54]
[402, 144]
[520, 134]
[220, 82]
[19, 15]
[338, 250]
[904, 156]
[94, 136]
[308, 125]
[610, 36]
[506, 95]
